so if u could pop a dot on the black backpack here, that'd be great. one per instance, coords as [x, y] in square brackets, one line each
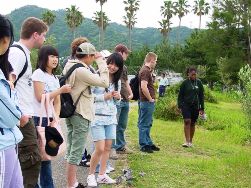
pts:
[134, 84]
[68, 107]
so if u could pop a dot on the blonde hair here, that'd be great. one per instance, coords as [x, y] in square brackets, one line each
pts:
[150, 56]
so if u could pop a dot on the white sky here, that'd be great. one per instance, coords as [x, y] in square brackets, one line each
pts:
[148, 14]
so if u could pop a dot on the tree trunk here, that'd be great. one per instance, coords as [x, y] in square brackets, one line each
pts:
[99, 39]
[102, 27]
[200, 22]
[179, 31]
[130, 38]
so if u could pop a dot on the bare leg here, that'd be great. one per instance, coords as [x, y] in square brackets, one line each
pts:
[192, 130]
[95, 158]
[71, 174]
[105, 156]
[187, 126]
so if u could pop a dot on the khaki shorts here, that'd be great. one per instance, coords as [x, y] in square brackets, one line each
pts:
[77, 131]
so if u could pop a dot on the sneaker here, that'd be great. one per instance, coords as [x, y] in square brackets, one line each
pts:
[190, 144]
[155, 148]
[146, 149]
[185, 145]
[80, 185]
[105, 179]
[113, 155]
[91, 180]
[124, 150]
[107, 171]
[109, 168]
[84, 163]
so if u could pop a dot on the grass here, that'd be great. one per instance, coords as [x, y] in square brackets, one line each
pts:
[218, 159]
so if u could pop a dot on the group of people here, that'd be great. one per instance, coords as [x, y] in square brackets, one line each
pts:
[101, 98]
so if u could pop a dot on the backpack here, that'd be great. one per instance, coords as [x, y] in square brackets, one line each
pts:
[25, 65]
[134, 84]
[68, 107]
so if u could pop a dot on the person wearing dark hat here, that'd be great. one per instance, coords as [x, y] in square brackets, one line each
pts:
[122, 107]
[78, 125]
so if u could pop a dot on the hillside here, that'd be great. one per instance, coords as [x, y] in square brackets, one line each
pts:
[115, 33]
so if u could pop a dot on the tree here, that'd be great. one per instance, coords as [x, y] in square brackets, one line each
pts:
[181, 9]
[201, 8]
[97, 19]
[102, 21]
[74, 18]
[48, 17]
[167, 12]
[130, 19]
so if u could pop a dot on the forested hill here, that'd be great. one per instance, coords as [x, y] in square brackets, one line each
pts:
[115, 33]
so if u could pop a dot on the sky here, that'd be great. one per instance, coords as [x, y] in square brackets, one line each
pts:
[148, 14]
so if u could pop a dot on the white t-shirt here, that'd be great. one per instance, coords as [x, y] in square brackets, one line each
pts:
[24, 87]
[51, 83]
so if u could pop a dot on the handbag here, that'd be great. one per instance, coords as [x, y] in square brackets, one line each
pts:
[48, 104]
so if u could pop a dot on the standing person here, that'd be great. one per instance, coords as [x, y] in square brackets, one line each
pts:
[45, 81]
[10, 135]
[191, 104]
[32, 36]
[104, 127]
[162, 85]
[122, 107]
[81, 81]
[146, 103]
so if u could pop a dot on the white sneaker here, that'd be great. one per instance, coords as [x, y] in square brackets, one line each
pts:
[105, 179]
[109, 168]
[91, 180]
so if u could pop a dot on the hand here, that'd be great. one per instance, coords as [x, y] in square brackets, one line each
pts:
[130, 96]
[24, 120]
[179, 110]
[65, 88]
[108, 96]
[201, 112]
[152, 100]
[98, 55]
[116, 95]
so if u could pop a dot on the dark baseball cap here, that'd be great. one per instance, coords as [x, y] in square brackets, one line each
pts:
[121, 48]
[53, 140]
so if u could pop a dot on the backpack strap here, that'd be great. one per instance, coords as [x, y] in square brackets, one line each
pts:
[69, 72]
[25, 65]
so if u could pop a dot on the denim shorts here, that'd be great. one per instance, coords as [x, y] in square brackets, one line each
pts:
[103, 132]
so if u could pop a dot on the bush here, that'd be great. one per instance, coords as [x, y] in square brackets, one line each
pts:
[166, 108]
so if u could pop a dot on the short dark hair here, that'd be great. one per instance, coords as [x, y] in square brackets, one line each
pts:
[32, 25]
[117, 59]
[121, 48]
[43, 56]
[6, 30]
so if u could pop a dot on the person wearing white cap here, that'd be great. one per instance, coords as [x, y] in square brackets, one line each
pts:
[78, 125]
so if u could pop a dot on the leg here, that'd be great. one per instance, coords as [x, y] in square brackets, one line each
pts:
[105, 156]
[96, 155]
[192, 130]
[187, 126]
[79, 134]
[46, 180]
[122, 124]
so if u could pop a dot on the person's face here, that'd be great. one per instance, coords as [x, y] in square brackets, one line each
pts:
[192, 75]
[124, 56]
[90, 59]
[113, 68]
[153, 63]
[39, 39]
[52, 62]
[4, 45]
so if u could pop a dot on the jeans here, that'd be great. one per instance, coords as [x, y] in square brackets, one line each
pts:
[145, 120]
[162, 90]
[122, 116]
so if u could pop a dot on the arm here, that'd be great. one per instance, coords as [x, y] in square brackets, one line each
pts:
[57, 105]
[181, 96]
[145, 90]
[129, 90]
[201, 96]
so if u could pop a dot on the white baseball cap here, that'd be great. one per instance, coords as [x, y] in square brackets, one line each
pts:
[105, 53]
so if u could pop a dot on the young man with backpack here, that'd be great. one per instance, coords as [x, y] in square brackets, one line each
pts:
[32, 36]
[123, 106]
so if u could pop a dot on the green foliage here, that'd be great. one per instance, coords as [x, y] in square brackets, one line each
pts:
[209, 95]
[48, 17]
[245, 77]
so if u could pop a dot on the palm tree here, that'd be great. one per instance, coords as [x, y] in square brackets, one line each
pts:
[201, 8]
[102, 21]
[97, 19]
[181, 9]
[130, 19]
[167, 11]
[48, 17]
[74, 18]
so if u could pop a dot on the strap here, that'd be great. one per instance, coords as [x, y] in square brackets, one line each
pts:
[25, 65]
[69, 72]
